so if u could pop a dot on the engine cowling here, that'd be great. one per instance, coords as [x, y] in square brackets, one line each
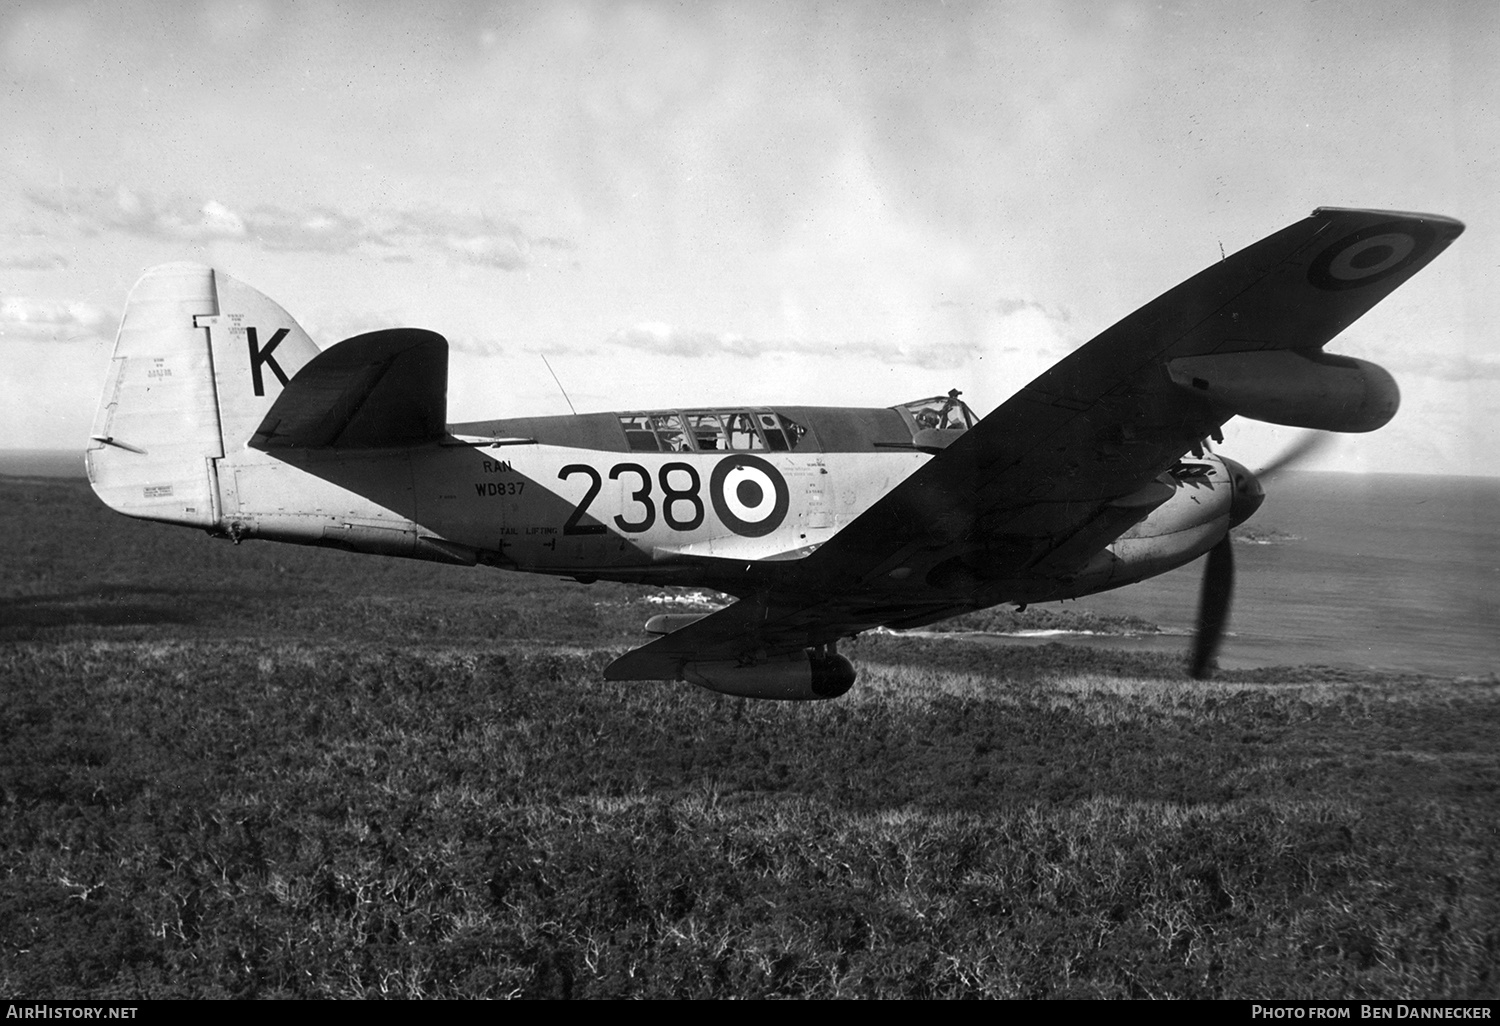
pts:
[1172, 536]
[799, 677]
[1210, 496]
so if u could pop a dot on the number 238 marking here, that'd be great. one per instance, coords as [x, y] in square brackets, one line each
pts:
[672, 498]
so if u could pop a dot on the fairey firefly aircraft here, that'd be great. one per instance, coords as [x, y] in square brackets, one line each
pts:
[220, 413]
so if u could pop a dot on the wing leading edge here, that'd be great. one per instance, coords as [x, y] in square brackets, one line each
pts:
[1062, 468]
[1108, 418]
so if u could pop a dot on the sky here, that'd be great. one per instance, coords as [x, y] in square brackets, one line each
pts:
[742, 202]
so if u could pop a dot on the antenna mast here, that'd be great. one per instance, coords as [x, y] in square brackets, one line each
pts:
[560, 388]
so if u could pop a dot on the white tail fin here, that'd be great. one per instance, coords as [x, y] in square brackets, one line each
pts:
[198, 362]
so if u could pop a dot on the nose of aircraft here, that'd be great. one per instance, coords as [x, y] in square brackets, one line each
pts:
[1248, 494]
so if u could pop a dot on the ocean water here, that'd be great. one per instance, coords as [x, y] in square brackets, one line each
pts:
[1386, 571]
[42, 463]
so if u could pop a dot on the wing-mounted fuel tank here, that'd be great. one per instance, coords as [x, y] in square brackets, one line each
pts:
[1260, 354]
[804, 675]
[1305, 388]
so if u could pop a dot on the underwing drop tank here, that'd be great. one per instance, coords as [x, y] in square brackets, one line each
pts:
[802, 676]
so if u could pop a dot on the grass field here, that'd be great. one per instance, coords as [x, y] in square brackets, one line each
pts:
[274, 771]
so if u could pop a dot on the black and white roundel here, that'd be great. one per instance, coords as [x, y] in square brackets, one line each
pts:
[1369, 255]
[749, 495]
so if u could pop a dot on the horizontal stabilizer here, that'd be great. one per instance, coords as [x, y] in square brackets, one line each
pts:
[378, 390]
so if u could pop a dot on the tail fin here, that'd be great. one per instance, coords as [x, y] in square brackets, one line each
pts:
[199, 360]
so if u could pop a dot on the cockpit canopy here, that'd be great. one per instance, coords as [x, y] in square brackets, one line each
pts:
[927, 425]
[941, 413]
[711, 430]
[766, 430]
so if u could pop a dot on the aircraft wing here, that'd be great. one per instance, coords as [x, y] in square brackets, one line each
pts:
[1093, 432]
[383, 388]
[1066, 465]
[782, 621]
[724, 634]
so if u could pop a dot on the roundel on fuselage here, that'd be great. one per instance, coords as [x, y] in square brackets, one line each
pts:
[749, 495]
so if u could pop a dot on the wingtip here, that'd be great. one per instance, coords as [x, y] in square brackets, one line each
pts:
[1455, 225]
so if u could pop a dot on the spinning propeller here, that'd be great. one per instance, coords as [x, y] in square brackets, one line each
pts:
[1309, 445]
[1218, 572]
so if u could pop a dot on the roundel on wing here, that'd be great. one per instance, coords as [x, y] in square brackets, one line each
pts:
[1369, 255]
[749, 495]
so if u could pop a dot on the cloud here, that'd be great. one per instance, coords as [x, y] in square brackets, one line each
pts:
[477, 239]
[318, 230]
[123, 210]
[509, 253]
[43, 320]
[1005, 306]
[49, 41]
[666, 340]
[473, 240]
[1451, 368]
[33, 262]
[1438, 359]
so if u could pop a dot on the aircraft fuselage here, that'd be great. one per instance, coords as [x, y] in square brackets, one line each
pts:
[585, 497]
[618, 507]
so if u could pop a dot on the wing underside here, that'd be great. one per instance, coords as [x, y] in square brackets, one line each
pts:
[751, 630]
[1065, 466]
[1106, 420]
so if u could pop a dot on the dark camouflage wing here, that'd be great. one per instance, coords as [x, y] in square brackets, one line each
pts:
[1070, 462]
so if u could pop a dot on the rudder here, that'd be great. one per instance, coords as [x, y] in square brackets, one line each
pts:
[198, 361]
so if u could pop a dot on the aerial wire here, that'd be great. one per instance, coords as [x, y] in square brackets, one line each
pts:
[560, 388]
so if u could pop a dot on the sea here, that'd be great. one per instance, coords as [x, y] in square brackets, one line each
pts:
[1364, 571]
[1361, 571]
